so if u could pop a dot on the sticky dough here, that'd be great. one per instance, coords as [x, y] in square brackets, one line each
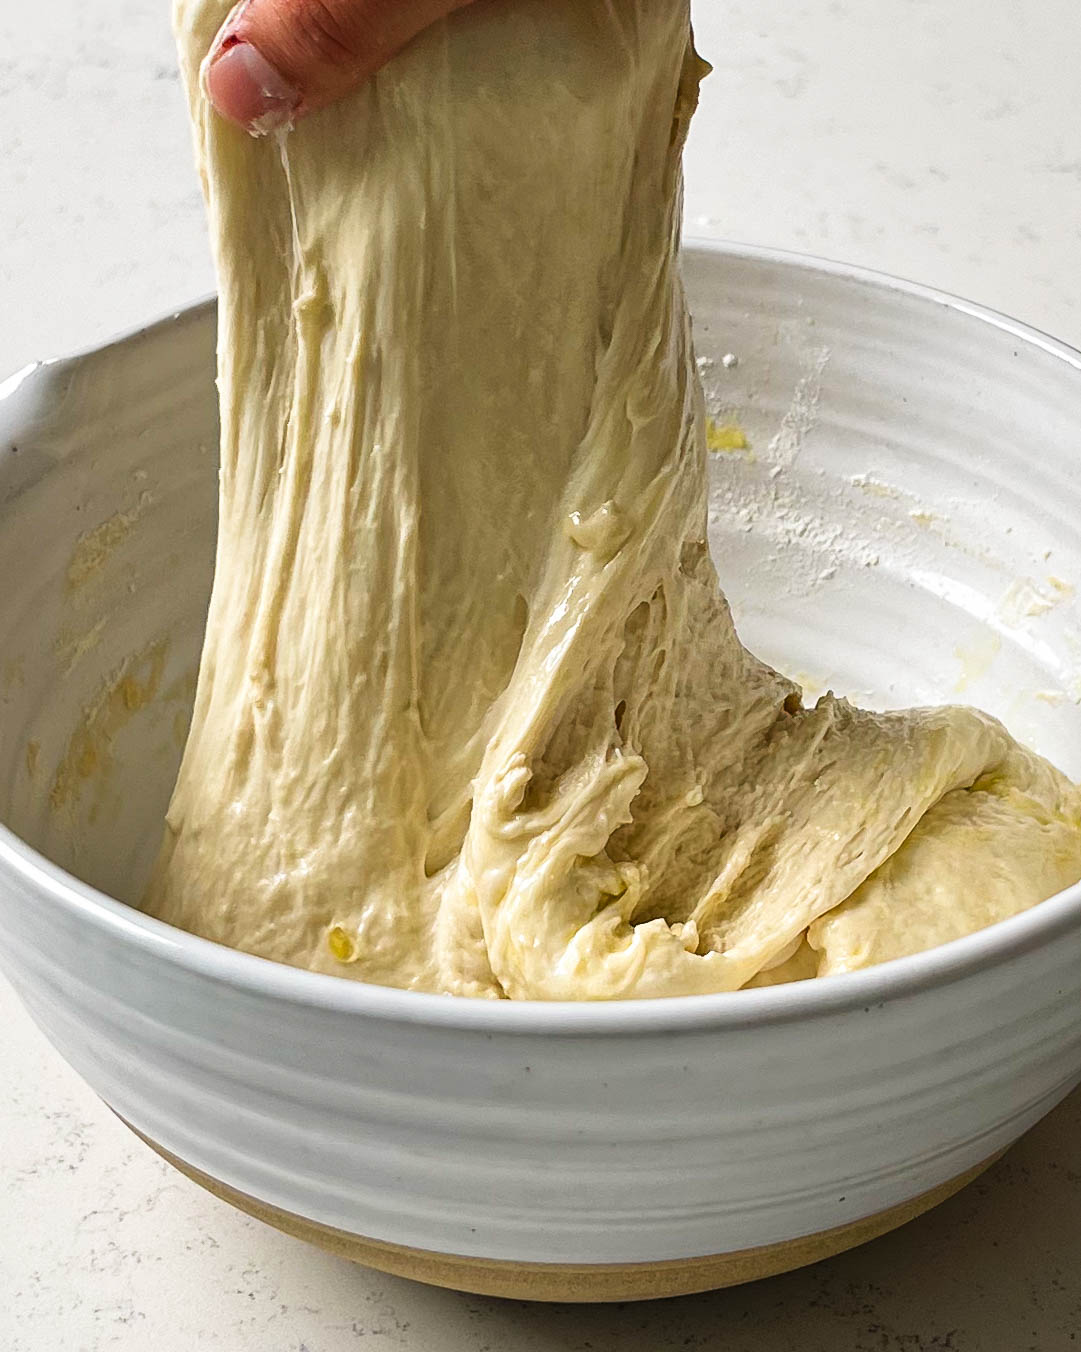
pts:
[472, 715]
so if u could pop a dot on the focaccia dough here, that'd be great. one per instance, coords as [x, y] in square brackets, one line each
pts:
[472, 715]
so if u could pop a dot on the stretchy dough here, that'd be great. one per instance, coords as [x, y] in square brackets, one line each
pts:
[472, 715]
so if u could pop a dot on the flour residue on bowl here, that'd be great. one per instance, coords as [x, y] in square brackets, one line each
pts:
[89, 754]
[94, 548]
[811, 541]
[13, 673]
[72, 646]
[1026, 598]
[976, 657]
[802, 413]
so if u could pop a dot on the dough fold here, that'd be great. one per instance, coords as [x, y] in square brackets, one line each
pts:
[472, 715]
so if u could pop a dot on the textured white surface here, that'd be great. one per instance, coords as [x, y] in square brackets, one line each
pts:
[932, 141]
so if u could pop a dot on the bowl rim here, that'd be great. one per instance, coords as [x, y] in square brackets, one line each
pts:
[864, 990]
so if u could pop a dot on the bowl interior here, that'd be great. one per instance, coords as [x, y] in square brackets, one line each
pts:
[895, 515]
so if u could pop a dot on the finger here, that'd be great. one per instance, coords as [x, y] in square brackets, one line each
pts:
[275, 60]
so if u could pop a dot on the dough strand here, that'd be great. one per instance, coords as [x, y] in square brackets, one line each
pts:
[472, 715]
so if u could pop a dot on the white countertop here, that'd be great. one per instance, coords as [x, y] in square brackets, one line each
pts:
[935, 141]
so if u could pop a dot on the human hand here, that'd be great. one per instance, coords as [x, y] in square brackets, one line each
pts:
[273, 61]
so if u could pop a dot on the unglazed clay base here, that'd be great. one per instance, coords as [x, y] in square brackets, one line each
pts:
[580, 1282]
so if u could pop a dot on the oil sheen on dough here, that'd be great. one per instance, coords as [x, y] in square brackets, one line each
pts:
[472, 715]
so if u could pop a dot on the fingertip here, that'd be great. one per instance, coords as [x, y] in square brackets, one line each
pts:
[246, 89]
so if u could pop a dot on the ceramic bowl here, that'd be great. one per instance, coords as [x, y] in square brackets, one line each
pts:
[896, 513]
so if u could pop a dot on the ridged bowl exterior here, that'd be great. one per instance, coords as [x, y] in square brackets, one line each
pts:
[911, 471]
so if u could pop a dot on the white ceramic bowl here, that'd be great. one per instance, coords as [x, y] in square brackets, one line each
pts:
[904, 527]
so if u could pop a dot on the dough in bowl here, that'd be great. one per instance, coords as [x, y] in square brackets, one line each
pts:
[472, 715]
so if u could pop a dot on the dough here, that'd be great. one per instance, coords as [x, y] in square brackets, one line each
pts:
[472, 715]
